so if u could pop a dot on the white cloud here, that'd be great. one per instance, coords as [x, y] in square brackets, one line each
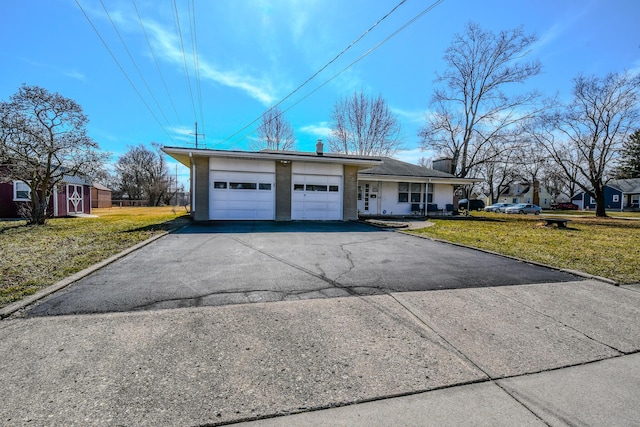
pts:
[319, 130]
[75, 75]
[410, 116]
[411, 155]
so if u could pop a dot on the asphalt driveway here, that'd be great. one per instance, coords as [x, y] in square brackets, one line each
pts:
[238, 262]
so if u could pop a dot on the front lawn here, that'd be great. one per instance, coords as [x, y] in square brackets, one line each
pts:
[34, 257]
[602, 247]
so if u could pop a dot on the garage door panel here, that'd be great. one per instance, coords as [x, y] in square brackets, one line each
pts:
[240, 197]
[313, 200]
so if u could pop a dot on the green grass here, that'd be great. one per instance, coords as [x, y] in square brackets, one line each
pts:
[34, 257]
[602, 247]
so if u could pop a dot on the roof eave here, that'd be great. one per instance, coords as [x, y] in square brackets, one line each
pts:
[430, 179]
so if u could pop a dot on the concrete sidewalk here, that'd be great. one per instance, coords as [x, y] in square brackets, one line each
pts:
[557, 354]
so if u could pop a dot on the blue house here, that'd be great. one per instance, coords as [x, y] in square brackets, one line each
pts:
[619, 195]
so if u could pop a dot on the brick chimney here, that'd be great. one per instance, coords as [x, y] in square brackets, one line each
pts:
[319, 147]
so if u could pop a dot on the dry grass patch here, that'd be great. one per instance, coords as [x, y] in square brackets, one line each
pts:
[602, 247]
[34, 257]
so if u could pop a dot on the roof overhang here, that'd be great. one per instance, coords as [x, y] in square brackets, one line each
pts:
[184, 155]
[423, 179]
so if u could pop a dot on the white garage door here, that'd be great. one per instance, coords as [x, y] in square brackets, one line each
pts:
[242, 195]
[316, 197]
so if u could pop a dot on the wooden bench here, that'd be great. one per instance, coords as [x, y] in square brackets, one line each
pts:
[560, 222]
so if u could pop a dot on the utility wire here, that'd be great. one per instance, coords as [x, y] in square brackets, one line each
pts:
[360, 37]
[184, 57]
[155, 60]
[361, 57]
[135, 64]
[122, 70]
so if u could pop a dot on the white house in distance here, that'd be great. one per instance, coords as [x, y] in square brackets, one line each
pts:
[399, 188]
[289, 185]
[272, 185]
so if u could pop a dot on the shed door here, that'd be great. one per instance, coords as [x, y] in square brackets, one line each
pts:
[75, 201]
[242, 195]
[316, 197]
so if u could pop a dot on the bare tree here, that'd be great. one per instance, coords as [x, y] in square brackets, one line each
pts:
[275, 132]
[142, 173]
[365, 126]
[586, 135]
[472, 110]
[498, 173]
[43, 140]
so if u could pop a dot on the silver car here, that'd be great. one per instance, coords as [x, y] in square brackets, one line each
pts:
[497, 207]
[524, 208]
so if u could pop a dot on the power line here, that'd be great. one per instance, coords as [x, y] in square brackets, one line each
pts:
[155, 60]
[135, 64]
[122, 70]
[184, 57]
[361, 57]
[353, 43]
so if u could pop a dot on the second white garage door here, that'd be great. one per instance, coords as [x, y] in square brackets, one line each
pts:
[316, 192]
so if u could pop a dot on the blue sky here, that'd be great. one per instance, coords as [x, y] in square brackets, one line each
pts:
[252, 53]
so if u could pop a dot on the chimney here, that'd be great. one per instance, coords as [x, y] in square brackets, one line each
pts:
[319, 147]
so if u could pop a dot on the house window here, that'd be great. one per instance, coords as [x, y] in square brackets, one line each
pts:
[593, 201]
[616, 198]
[21, 191]
[333, 188]
[359, 192]
[635, 200]
[264, 186]
[416, 188]
[242, 186]
[429, 193]
[314, 187]
[220, 184]
[403, 192]
[298, 187]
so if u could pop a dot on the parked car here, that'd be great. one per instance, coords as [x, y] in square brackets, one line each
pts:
[472, 205]
[497, 207]
[567, 206]
[524, 208]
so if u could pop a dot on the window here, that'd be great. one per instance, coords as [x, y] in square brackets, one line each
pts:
[264, 186]
[359, 192]
[415, 192]
[616, 198]
[314, 187]
[298, 187]
[242, 185]
[429, 193]
[635, 200]
[220, 184]
[333, 188]
[593, 201]
[21, 191]
[403, 192]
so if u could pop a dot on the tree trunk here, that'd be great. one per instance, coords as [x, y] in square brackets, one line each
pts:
[600, 203]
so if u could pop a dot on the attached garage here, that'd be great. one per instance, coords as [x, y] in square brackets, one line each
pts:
[272, 185]
[242, 189]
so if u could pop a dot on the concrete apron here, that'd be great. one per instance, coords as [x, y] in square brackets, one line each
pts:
[212, 365]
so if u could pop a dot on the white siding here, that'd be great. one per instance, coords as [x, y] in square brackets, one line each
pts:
[316, 205]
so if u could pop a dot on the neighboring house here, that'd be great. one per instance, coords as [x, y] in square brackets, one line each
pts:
[100, 196]
[522, 192]
[72, 196]
[272, 185]
[619, 194]
[399, 188]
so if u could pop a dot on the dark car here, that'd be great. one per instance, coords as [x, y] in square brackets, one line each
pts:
[564, 206]
[472, 205]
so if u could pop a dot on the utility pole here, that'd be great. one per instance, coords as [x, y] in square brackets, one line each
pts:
[196, 134]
